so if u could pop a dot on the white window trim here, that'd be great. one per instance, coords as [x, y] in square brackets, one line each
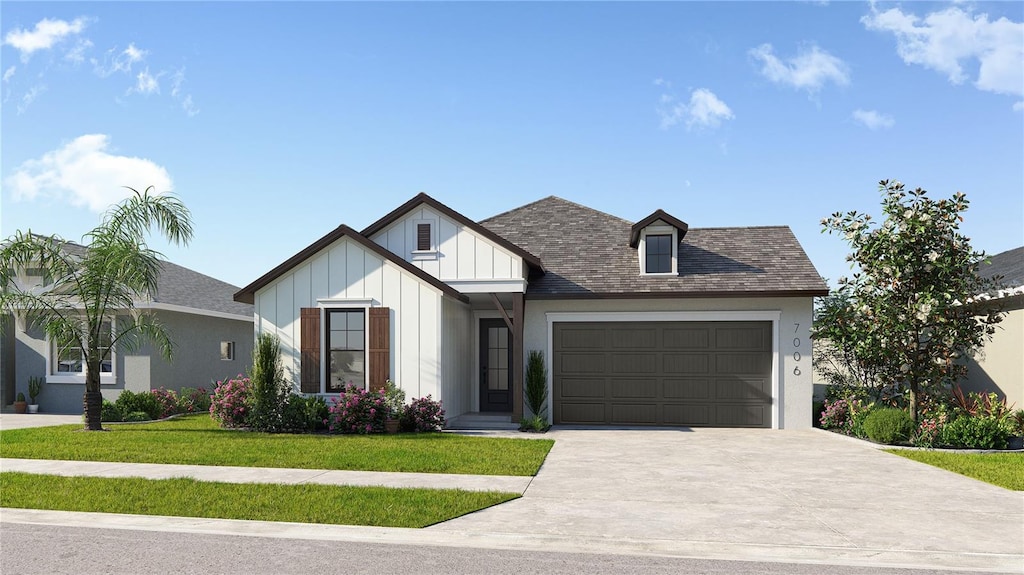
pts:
[430, 254]
[774, 316]
[658, 230]
[105, 378]
[343, 304]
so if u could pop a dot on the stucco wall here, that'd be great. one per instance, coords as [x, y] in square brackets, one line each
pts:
[793, 359]
[1000, 365]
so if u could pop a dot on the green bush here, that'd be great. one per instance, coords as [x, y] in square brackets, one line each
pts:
[888, 425]
[976, 433]
[109, 411]
[857, 417]
[534, 423]
[536, 384]
[303, 414]
[129, 402]
[268, 393]
[394, 398]
[137, 416]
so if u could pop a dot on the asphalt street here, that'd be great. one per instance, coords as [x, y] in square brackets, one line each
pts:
[31, 549]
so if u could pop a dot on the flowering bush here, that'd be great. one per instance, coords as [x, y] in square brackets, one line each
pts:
[423, 414]
[835, 415]
[167, 401]
[229, 404]
[193, 400]
[358, 411]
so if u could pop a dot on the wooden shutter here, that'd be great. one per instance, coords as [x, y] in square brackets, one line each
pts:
[380, 347]
[423, 237]
[310, 348]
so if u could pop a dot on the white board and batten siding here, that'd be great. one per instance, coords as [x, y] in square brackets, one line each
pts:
[461, 253]
[346, 270]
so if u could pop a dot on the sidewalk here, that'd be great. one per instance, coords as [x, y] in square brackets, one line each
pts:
[225, 474]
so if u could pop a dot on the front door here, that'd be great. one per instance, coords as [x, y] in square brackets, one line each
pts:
[495, 366]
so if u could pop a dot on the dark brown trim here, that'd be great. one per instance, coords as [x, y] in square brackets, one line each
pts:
[659, 214]
[422, 198]
[248, 293]
[678, 295]
[379, 354]
[518, 359]
[309, 346]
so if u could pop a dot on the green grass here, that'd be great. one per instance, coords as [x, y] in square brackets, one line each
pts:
[196, 440]
[306, 503]
[1002, 469]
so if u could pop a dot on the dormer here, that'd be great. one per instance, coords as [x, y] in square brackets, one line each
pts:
[656, 239]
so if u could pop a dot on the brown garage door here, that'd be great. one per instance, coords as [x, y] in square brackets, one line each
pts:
[715, 374]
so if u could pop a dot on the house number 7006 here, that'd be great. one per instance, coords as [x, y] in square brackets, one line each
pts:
[796, 354]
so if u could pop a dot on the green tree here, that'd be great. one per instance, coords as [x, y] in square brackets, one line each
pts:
[269, 389]
[88, 288]
[914, 310]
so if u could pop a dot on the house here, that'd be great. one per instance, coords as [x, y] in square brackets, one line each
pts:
[212, 334]
[1000, 365]
[646, 323]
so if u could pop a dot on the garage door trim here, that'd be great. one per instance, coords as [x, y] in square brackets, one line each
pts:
[774, 316]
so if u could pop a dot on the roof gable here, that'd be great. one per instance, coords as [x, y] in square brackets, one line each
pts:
[1009, 265]
[248, 293]
[659, 214]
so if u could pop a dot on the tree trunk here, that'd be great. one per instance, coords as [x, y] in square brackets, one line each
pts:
[913, 400]
[93, 399]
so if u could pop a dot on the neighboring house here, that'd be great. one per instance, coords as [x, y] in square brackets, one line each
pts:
[647, 323]
[212, 335]
[1000, 365]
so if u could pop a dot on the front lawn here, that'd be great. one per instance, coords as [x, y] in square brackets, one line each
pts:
[196, 440]
[308, 503]
[1002, 469]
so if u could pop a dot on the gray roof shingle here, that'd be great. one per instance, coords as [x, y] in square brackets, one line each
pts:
[1008, 264]
[586, 253]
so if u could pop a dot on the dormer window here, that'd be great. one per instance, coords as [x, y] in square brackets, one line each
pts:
[656, 239]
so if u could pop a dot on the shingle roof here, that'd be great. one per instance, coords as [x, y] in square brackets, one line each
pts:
[1008, 264]
[586, 253]
[178, 285]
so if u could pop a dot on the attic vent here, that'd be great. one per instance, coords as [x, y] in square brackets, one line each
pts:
[423, 237]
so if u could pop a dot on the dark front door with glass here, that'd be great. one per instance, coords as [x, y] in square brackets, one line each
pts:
[495, 366]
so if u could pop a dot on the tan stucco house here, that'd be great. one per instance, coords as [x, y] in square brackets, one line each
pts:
[640, 323]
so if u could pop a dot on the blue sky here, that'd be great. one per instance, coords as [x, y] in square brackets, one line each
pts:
[275, 122]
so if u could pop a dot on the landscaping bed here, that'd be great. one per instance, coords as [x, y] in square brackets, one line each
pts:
[307, 503]
[198, 440]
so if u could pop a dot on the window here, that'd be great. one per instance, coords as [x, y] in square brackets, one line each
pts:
[658, 254]
[69, 359]
[346, 344]
[423, 237]
[227, 350]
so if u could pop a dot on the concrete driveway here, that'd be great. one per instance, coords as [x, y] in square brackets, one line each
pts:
[744, 494]
[23, 420]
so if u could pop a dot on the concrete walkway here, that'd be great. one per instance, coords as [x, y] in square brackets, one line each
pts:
[23, 420]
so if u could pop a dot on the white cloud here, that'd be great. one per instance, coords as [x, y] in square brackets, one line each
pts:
[29, 97]
[873, 120]
[122, 61]
[704, 110]
[177, 79]
[146, 83]
[84, 173]
[44, 36]
[77, 53]
[809, 70]
[946, 40]
[9, 73]
[1018, 106]
[189, 107]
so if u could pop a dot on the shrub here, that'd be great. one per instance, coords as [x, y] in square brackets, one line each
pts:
[268, 392]
[394, 398]
[229, 404]
[144, 401]
[835, 415]
[534, 423]
[304, 414]
[358, 411]
[167, 400]
[109, 411]
[859, 411]
[193, 400]
[422, 415]
[976, 433]
[1017, 422]
[888, 425]
[536, 384]
[137, 416]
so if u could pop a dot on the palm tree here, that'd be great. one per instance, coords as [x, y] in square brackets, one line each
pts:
[88, 286]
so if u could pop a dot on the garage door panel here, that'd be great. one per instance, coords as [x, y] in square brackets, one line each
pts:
[572, 363]
[739, 363]
[686, 363]
[678, 414]
[634, 338]
[743, 416]
[629, 363]
[635, 388]
[574, 388]
[583, 412]
[686, 338]
[751, 338]
[634, 414]
[687, 389]
[736, 389]
[581, 338]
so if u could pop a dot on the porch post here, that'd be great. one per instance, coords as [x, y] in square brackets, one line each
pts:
[518, 318]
